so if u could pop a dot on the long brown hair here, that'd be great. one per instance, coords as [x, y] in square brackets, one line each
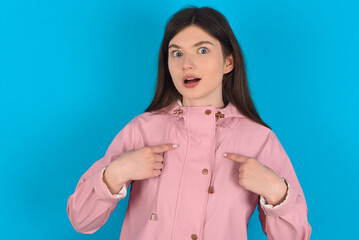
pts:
[235, 84]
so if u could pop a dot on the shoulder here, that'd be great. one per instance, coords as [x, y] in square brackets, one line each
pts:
[249, 127]
[152, 119]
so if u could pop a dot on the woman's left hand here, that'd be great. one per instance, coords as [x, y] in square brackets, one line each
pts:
[259, 179]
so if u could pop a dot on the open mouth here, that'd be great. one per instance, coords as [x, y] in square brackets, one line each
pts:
[190, 80]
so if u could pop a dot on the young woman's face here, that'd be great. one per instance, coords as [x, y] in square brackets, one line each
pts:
[193, 53]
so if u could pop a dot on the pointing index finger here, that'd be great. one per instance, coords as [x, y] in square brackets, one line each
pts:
[163, 148]
[236, 157]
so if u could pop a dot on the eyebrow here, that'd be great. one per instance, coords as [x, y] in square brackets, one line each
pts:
[195, 45]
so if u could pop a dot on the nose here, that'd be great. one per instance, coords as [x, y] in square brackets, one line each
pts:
[187, 62]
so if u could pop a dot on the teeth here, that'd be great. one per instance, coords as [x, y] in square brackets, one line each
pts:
[190, 78]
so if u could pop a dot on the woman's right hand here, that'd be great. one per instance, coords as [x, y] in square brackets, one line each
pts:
[138, 164]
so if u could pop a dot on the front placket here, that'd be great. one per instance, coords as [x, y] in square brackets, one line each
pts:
[195, 179]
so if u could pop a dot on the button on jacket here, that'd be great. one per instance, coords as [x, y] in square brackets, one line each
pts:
[197, 195]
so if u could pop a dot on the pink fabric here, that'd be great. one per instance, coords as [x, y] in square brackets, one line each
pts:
[179, 197]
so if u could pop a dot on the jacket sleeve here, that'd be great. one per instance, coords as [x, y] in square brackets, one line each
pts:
[91, 204]
[287, 220]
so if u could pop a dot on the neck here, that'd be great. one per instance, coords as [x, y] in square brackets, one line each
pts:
[218, 103]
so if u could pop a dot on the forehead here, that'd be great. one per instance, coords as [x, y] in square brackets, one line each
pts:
[191, 35]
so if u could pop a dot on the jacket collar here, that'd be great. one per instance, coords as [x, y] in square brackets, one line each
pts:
[229, 115]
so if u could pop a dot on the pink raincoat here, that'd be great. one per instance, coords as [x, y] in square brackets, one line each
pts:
[197, 196]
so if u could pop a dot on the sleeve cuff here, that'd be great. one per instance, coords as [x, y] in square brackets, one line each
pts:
[282, 208]
[121, 194]
[103, 192]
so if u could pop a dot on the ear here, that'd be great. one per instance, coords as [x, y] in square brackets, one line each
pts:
[228, 64]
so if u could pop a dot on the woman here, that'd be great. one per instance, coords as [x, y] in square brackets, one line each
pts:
[200, 159]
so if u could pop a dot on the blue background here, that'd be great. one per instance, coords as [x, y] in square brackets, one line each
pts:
[74, 73]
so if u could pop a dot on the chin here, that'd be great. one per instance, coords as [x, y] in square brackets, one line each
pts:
[192, 95]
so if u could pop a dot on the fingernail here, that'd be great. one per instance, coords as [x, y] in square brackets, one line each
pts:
[175, 145]
[224, 154]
